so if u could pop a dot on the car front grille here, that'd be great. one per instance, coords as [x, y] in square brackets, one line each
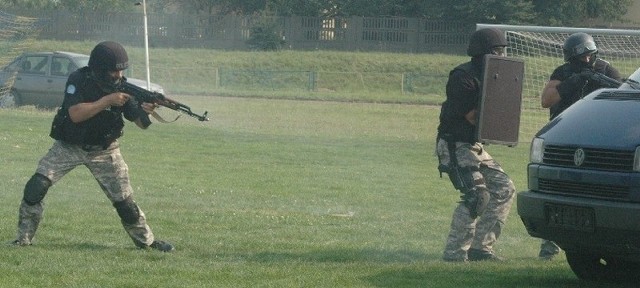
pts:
[569, 188]
[599, 159]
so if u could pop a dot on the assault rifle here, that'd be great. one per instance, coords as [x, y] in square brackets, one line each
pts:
[144, 95]
[602, 80]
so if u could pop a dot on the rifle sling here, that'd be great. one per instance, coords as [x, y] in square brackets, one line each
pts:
[161, 120]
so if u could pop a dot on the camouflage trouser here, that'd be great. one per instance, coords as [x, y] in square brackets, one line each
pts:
[482, 232]
[108, 168]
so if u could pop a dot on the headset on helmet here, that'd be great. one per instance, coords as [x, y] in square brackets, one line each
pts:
[108, 56]
[484, 40]
[578, 44]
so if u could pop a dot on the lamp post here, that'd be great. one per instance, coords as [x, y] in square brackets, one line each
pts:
[146, 42]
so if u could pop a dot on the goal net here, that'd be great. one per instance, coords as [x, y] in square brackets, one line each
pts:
[541, 50]
[16, 34]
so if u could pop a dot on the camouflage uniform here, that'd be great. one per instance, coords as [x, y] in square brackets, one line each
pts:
[487, 192]
[482, 232]
[86, 128]
[108, 168]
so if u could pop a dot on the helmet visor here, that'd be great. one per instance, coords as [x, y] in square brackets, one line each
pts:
[585, 48]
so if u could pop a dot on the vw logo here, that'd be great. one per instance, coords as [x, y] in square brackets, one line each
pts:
[578, 157]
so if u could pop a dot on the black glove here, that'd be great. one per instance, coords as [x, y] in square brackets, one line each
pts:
[572, 86]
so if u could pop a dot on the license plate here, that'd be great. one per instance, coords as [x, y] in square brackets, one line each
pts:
[570, 217]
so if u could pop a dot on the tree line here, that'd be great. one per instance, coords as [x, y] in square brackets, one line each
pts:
[568, 13]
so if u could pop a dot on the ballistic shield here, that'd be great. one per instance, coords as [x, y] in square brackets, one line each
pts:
[501, 100]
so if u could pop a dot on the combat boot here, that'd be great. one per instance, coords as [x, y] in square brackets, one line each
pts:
[161, 246]
[479, 255]
[29, 217]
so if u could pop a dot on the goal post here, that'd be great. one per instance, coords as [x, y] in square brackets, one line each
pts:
[541, 49]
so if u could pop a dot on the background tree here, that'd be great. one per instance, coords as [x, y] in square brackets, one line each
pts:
[523, 12]
[576, 12]
[213, 7]
[71, 5]
[310, 8]
[28, 4]
[485, 11]
[377, 8]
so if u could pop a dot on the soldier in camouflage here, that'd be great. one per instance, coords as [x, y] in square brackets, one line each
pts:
[487, 191]
[86, 129]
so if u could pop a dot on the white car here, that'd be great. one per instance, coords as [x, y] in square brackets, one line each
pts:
[38, 78]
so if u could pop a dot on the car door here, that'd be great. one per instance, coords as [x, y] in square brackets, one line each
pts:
[30, 81]
[61, 67]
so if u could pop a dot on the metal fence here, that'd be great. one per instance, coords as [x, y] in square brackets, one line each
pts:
[407, 35]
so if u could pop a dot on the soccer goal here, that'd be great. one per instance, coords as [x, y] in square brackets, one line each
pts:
[541, 49]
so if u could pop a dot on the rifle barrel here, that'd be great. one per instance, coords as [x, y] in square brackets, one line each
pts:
[144, 95]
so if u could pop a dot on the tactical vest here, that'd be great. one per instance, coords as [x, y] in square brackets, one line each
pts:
[455, 128]
[101, 129]
[566, 71]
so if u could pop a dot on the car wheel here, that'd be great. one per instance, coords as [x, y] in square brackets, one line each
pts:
[10, 100]
[595, 268]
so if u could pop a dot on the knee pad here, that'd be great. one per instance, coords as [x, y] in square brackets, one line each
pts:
[127, 210]
[35, 189]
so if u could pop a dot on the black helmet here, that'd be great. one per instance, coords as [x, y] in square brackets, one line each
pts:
[578, 44]
[484, 40]
[108, 56]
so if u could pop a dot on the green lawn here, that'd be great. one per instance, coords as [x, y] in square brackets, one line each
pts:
[269, 193]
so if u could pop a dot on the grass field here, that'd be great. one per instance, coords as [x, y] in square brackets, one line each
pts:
[270, 193]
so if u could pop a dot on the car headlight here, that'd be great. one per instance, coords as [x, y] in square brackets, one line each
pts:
[636, 160]
[537, 150]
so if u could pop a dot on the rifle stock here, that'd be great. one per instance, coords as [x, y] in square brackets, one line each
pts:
[144, 95]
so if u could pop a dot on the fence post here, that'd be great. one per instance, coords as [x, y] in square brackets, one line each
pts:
[312, 81]
[217, 77]
[354, 34]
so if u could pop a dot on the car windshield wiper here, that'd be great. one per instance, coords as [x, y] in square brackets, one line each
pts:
[633, 83]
